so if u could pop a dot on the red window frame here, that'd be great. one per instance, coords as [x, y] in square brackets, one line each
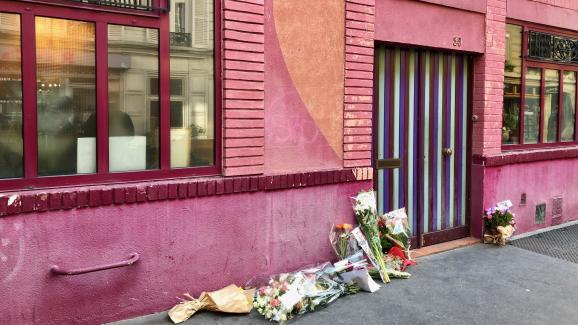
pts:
[101, 16]
[543, 65]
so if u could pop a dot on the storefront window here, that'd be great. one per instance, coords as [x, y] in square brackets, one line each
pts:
[192, 108]
[512, 85]
[547, 73]
[85, 99]
[10, 97]
[133, 59]
[66, 101]
[569, 106]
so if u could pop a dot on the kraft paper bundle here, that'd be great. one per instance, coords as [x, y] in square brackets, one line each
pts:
[499, 235]
[230, 299]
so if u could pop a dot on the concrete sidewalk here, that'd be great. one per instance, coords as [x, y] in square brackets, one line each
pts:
[479, 284]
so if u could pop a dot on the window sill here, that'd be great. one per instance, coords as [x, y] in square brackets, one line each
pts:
[133, 193]
[527, 155]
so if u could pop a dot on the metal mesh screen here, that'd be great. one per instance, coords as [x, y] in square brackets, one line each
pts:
[560, 243]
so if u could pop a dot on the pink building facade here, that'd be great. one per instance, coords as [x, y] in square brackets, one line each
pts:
[247, 125]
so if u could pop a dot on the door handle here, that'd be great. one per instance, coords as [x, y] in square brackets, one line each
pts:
[447, 152]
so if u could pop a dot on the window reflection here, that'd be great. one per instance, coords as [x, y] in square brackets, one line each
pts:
[192, 84]
[10, 97]
[569, 106]
[65, 72]
[551, 103]
[532, 105]
[512, 85]
[133, 120]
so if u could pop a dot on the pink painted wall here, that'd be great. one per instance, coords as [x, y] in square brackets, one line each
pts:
[543, 13]
[426, 24]
[304, 84]
[569, 4]
[470, 5]
[477, 188]
[542, 182]
[185, 245]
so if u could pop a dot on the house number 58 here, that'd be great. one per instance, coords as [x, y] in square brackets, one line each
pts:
[457, 41]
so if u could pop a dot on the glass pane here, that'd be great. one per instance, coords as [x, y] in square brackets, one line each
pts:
[551, 103]
[176, 114]
[513, 63]
[512, 85]
[569, 106]
[10, 97]
[66, 101]
[532, 105]
[192, 84]
[133, 60]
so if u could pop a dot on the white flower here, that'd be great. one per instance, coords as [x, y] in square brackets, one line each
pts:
[504, 204]
[365, 201]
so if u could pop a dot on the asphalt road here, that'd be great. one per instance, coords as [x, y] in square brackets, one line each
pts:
[480, 284]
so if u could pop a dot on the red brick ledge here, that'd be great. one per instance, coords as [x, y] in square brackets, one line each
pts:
[105, 195]
[526, 156]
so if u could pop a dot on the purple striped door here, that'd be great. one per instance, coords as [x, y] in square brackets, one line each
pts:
[422, 118]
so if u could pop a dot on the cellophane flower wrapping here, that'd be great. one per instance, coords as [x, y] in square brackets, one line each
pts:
[296, 293]
[354, 268]
[395, 231]
[342, 241]
[365, 209]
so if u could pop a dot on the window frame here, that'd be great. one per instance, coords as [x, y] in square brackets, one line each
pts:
[102, 17]
[542, 65]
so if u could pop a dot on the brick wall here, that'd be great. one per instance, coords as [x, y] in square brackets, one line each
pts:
[489, 83]
[570, 4]
[243, 82]
[359, 37]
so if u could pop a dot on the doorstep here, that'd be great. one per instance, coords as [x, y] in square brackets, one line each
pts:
[447, 246]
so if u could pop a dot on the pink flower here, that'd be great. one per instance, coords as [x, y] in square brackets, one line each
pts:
[489, 216]
[275, 302]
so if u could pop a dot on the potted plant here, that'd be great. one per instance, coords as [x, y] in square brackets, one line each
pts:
[506, 134]
[499, 223]
[509, 66]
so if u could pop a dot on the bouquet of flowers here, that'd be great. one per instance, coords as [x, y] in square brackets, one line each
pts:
[499, 223]
[230, 299]
[396, 260]
[366, 214]
[290, 294]
[342, 240]
[395, 231]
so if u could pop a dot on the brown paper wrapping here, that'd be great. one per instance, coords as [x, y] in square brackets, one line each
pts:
[230, 299]
[499, 235]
